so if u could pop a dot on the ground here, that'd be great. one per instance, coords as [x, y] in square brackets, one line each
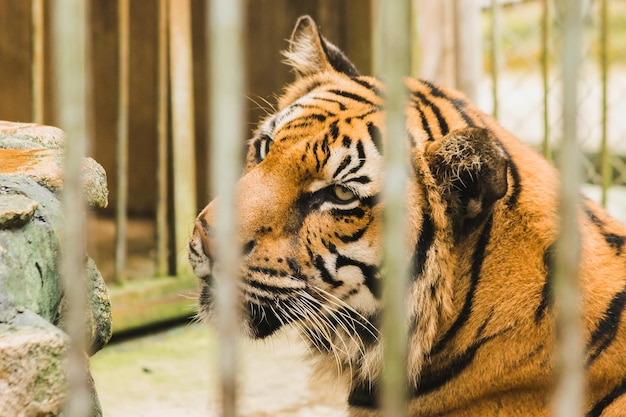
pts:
[172, 373]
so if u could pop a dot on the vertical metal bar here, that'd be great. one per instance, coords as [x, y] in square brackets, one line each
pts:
[38, 61]
[392, 52]
[121, 220]
[495, 54]
[225, 41]
[569, 394]
[162, 235]
[606, 170]
[467, 48]
[545, 74]
[70, 77]
[183, 127]
[415, 41]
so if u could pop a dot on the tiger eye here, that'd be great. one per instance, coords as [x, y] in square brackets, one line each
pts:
[342, 193]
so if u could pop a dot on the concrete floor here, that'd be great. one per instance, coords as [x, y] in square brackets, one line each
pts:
[172, 373]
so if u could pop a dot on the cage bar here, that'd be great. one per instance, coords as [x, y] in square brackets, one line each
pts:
[162, 232]
[70, 77]
[569, 394]
[545, 74]
[606, 169]
[225, 23]
[183, 127]
[37, 68]
[121, 219]
[495, 35]
[392, 62]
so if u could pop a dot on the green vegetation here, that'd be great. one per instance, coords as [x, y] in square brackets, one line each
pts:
[521, 32]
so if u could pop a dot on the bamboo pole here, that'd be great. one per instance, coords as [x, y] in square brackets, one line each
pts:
[225, 42]
[183, 128]
[121, 220]
[607, 169]
[69, 21]
[38, 61]
[392, 52]
[495, 34]
[569, 394]
[162, 233]
[545, 74]
[467, 50]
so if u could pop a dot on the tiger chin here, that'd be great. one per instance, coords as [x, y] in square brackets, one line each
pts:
[482, 225]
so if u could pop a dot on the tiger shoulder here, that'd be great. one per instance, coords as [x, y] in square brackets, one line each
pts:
[482, 225]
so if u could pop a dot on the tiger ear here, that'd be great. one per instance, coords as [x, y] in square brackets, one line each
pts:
[309, 52]
[470, 165]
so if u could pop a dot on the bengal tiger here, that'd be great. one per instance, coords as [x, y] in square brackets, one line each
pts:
[482, 225]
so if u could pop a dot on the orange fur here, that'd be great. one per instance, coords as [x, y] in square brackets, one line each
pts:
[482, 223]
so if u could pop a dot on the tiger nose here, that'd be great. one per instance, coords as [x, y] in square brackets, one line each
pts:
[205, 233]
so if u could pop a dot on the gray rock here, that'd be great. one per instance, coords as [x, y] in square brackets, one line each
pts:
[16, 210]
[29, 264]
[30, 136]
[32, 365]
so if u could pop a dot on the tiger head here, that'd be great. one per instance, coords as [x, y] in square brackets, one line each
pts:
[481, 227]
[310, 211]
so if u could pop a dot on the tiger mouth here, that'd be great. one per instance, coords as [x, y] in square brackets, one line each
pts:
[264, 307]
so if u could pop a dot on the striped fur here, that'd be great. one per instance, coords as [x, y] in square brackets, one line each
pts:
[482, 225]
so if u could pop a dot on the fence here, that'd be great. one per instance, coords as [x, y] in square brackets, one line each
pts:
[520, 60]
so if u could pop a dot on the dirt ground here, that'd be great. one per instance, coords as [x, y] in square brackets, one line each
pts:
[173, 373]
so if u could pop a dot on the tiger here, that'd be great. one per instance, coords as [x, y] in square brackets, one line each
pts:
[482, 224]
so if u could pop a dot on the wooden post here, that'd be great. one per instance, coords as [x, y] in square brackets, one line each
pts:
[121, 220]
[69, 21]
[162, 230]
[38, 61]
[183, 128]
[392, 61]
[569, 395]
[467, 47]
[225, 41]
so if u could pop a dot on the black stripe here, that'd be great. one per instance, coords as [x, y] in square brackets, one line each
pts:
[477, 262]
[613, 240]
[425, 126]
[361, 158]
[353, 237]
[517, 185]
[367, 85]
[330, 100]
[357, 212]
[425, 241]
[458, 104]
[456, 366]
[318, 261]
[370, 273]
[361, 180]
[364, 394]
[601, 405]
[376, 136]
[353, 96]
[268, 271]
[346, 161]
[547, 297]
[334, 130]
[606, 330]
[443, 125]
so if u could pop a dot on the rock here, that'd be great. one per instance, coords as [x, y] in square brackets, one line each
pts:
[45, 167]
[16, 210]
[30, 136]
[32, 366]
[36, 151]
[32, 304]
[29, 265]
